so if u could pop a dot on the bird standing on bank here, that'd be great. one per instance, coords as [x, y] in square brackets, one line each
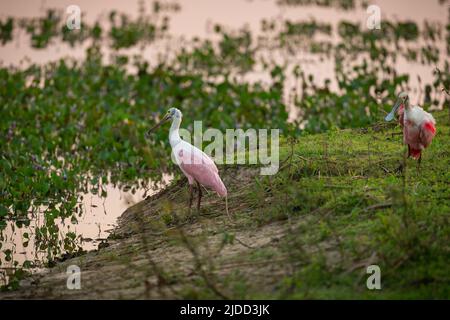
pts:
[419, 126]
[196, 165]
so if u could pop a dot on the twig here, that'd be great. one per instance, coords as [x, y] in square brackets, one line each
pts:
[199, 266]
[244, 244]
[378, 206]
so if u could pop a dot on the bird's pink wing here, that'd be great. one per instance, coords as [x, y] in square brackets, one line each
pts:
[427, 133]
[198, 165]
[207, 160]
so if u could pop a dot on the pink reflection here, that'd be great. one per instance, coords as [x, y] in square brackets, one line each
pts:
[197, 17]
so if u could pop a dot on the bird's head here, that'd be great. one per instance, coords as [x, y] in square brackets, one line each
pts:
[172, 113]
[402, 99]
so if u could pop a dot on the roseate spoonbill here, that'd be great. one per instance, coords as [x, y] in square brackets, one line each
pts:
[419, 127]
[196, 165]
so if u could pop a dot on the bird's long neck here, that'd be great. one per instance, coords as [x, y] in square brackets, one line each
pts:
[407, 106]
[174, 135]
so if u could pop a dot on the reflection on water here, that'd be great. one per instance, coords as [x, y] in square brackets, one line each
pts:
[196, 19]
[94, 225]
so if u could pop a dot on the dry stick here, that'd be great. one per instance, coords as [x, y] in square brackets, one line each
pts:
[199, 266]
[444, 89]
[371, 260]
[155, 268]
[420, 88]
[243, 243]
[405, 209]
[327, 163]
[378, 206]
[303, 158]
[291, 142]
[286, 162]
[226, 208]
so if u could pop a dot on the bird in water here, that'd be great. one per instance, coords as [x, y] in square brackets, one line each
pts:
[196, 165]
[419, 126]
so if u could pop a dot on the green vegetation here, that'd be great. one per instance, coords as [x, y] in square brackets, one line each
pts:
[70, 127]
[359, 211]
[337, 205]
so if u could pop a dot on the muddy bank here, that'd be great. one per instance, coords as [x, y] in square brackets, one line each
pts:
[159, 250]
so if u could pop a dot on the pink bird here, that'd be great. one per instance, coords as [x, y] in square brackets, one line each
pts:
[419, 126]
[196, 165]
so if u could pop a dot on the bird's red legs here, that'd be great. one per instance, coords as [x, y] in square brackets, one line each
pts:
[402, 164]
[226, 207]
[199, 187]
[191, 196]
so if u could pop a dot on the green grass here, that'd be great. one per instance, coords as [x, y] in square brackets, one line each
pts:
[346, 207]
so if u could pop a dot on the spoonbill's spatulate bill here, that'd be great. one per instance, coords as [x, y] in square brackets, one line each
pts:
[398, 110]
[196, 165]
[419, 127]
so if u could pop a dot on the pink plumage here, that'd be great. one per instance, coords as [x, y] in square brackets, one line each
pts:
[197, 166]
[419, 126]
[418, 131]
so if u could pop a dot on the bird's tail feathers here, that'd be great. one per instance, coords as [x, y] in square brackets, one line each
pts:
[221, 189]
